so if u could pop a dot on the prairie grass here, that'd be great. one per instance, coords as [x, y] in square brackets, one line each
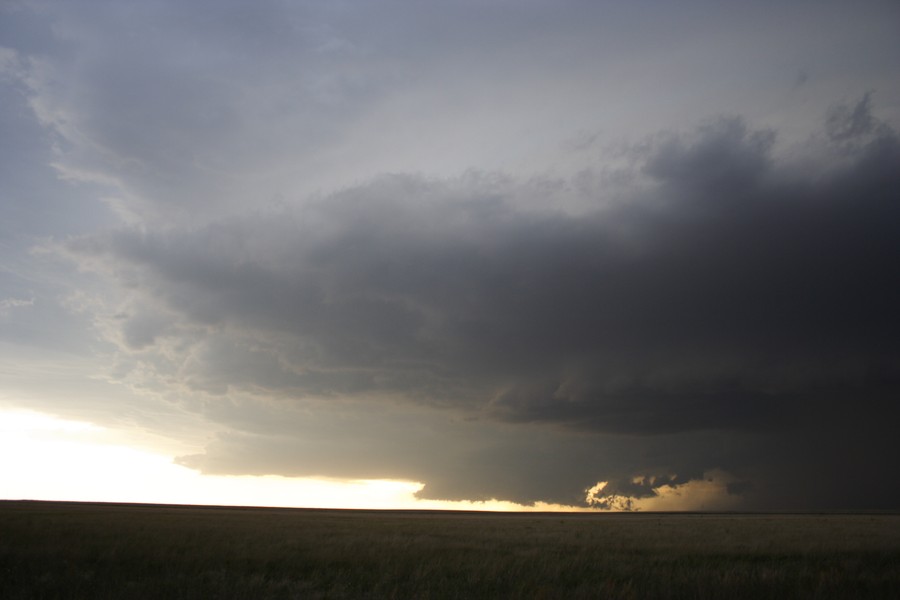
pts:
[74, 550]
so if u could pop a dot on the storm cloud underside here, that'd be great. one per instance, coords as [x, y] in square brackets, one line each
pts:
[732, 294]
[507, 254]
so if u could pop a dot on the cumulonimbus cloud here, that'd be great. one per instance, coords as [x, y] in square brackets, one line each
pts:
[734, 290]
[709, 301]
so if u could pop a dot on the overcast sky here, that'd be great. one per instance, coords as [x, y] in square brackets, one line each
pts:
[584, 253]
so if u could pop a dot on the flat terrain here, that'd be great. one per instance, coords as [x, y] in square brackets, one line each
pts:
[75, 550]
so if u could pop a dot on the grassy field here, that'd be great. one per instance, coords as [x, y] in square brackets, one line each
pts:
[72, 550]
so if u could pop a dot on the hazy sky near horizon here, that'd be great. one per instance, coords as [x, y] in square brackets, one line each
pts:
[502, 250]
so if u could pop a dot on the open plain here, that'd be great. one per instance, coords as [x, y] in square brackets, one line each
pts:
[83, 550]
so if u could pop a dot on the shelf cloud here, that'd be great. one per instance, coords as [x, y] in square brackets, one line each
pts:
[733, 292]
[527, 262]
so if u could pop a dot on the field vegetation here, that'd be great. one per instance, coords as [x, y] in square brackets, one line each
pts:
[74, 550]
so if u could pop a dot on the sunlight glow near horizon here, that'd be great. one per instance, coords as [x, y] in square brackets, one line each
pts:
[49, 458]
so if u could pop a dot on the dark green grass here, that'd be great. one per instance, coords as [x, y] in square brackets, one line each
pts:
[70, 550]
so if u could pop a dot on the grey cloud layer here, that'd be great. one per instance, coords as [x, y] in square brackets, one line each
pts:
[733, 291]
[284, 255]
[190, 109]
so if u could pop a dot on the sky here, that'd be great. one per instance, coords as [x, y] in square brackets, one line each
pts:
[499, 255]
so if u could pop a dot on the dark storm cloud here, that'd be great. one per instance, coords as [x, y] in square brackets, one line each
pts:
[575, 308]
[734, 293]
[457, 459]
[731, 295]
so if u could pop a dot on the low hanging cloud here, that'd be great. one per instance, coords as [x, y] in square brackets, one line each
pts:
[709, 492]
[734, 290]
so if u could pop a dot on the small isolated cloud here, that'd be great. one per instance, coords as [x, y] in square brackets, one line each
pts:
[711, 492]
[845, 123]
[7, 305]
